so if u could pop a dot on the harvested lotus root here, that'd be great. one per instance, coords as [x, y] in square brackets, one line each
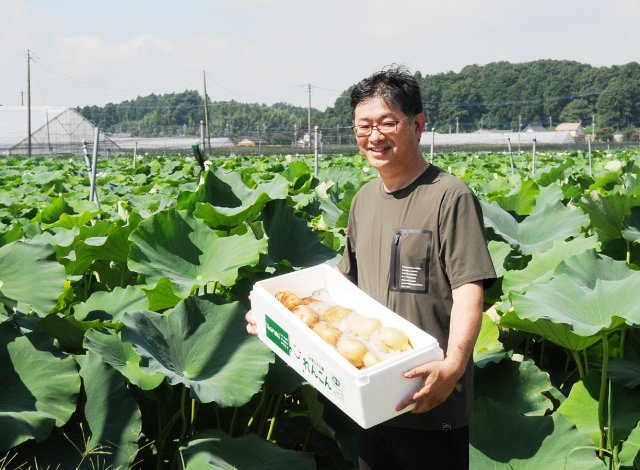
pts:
[361, 339]
[327, 332]
[335, 314]
[288, 299]
[353, 350]
[305, 313]
[363, 327]
[370, 359]
[393, 339]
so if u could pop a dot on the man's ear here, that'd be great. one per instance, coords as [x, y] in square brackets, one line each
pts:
[420, 121]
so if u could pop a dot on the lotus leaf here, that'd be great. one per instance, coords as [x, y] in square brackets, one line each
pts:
[30, 275]
[590, 293]
[173, 245]
[216, 450]
[203, 346]
[111, 411]
[30, 407]
[549, 221]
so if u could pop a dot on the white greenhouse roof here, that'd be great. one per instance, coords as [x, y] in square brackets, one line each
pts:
[497, 138]
[54, 130]
[13, 122]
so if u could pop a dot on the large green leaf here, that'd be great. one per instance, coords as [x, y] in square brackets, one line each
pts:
[111, 411]
[499, 252]
[630, 451]
[591, 293]
[111, 305]
[238, 204]
[122, 357]
[558, 333]
[203, 346]
[488, 348]
[542, 265]
[503, 439]
[39, 388]
[290, 238]
[520, 199]
[549, 221]
[517, 385]
[631, 226]
[230, 196]
[606, 213]
[216, 450]
[30, 275]
[581, 408]
[625, 372]
[174, 245]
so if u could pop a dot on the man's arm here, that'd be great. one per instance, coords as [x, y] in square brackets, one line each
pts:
[440, 377]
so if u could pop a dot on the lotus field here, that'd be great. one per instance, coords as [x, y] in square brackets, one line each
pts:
[122, 332]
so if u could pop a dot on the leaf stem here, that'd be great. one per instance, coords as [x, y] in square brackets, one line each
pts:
[576, 358]
[255, 412]
[603, 390]
[232, 424]
[276, 410]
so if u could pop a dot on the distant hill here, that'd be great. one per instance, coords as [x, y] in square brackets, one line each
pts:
[498, 95]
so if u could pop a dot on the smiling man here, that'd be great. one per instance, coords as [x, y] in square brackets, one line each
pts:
[415, 243]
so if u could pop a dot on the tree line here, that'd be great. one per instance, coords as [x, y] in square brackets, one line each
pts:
[498, 95]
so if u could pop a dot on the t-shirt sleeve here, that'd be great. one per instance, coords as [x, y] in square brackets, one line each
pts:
[464, 253]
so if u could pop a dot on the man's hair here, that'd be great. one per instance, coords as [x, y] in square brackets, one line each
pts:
[395, 85]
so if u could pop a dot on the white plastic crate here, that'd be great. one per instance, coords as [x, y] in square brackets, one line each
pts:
[368, 396]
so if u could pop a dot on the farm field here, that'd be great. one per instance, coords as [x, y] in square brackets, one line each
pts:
[122, 332]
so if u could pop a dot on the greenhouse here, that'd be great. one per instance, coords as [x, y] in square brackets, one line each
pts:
[54, 131]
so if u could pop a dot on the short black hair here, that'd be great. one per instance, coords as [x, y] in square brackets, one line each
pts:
[395, 85]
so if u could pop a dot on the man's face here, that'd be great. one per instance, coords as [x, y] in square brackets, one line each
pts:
[387, 149]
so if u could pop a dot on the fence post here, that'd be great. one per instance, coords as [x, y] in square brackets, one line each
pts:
[93, 193]
[315, 151]
[513, 166]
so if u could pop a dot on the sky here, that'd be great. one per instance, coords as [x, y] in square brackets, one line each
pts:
[268, 51]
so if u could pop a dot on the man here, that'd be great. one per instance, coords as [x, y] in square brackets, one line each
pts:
[415, 243]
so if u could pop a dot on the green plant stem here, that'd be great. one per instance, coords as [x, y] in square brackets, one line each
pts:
[232, 424]
[163, 438]
[306, 438]
[255, 412]
[603, 390]
[586, 361]
[623, 337]
[216, 410]
[628, 253]
[576, 358]
[193, 417]
[183, 428]
[265, 415]
[610, 437]
[276, 410]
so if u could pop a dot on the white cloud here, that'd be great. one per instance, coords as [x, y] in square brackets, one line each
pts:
[267, 50]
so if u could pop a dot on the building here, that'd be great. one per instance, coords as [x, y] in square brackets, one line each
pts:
[574, 129]
[54, 131]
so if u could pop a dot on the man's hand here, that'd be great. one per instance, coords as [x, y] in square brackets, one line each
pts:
[252, 329]
[438, 381]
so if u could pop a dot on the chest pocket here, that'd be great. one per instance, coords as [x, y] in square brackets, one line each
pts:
[410, 256]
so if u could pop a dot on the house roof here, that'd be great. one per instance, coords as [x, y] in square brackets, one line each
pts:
[569, 126]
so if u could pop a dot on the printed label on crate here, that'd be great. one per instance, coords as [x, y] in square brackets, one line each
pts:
[321, 376]
[276, 334]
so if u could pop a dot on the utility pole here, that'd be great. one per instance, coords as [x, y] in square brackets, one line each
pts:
[28, 103]
[593, 127]
[309, 117]
[457, 125]
[519, 130]
[206, 112]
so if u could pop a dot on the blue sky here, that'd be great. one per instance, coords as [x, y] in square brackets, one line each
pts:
[268, 51]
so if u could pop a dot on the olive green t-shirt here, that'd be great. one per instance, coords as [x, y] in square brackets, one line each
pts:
[408, 249]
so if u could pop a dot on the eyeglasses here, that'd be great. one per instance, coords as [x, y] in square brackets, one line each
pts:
[385, 127]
